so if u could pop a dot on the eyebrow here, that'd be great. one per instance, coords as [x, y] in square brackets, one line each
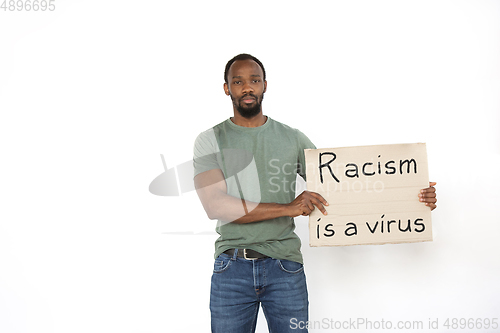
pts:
[239, 77]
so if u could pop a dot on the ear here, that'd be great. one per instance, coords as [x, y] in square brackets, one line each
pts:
[265, 86]
[226, 88]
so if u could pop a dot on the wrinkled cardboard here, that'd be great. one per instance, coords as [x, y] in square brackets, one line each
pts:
[377, 205]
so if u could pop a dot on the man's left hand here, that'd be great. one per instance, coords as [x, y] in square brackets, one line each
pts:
[428, 196]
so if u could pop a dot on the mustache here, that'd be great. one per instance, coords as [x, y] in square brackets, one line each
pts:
[249, 95]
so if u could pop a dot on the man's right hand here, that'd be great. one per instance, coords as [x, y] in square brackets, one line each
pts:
[305, 202]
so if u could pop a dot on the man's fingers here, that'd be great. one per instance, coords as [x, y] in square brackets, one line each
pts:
[313, 202]
[310, 200]
[319, 197]
[428, 190]
[319, 204]
[321, 207]
[427, 195]
[318, 200]
[310, 205]
[431, 205]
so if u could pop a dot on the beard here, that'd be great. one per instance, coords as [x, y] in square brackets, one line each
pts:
[248, 111]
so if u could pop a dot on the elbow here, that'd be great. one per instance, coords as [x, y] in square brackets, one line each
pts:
[212, 212]
[218, 212]
[211, 216]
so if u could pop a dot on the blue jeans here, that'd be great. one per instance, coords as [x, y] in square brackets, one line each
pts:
[239, 286]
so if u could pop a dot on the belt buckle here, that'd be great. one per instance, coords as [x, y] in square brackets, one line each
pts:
[245, 255]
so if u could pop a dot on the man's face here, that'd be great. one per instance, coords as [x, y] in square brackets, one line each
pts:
[246, 86]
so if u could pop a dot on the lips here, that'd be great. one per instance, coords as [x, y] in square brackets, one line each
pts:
[248, 99]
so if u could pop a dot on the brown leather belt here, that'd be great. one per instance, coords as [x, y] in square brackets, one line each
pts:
[247, 254]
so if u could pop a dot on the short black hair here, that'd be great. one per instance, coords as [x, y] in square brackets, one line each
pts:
[243, 56]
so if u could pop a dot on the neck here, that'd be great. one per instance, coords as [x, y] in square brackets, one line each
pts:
[256, 121]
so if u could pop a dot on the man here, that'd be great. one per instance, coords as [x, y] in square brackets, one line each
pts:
[245, 170]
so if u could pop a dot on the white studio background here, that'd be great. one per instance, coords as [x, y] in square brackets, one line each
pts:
[93, 92]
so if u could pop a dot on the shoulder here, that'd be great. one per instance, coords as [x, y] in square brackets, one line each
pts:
[206, 141]
[300, 136]
[205, 138]
[280, 126]
[210, 133]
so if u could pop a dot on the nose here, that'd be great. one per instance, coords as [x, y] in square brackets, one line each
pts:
[247, 88]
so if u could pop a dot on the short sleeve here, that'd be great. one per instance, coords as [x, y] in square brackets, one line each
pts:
[303, 142]
[205, 152]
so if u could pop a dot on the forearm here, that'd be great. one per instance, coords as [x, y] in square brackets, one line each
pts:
[262, 211]
[212, 191]
[230, 209]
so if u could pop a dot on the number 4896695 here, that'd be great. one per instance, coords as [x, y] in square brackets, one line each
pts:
[28, 5]
[471, 323]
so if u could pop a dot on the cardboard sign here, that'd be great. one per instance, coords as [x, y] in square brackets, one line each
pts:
[372, 193]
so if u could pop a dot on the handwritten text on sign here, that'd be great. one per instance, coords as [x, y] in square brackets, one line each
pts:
[372, 193]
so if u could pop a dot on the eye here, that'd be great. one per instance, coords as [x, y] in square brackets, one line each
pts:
[236, 82]
[256, 81]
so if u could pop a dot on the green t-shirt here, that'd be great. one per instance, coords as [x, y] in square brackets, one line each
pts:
[260, 164]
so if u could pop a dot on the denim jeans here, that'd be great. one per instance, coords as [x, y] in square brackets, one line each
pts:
[239, 286]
